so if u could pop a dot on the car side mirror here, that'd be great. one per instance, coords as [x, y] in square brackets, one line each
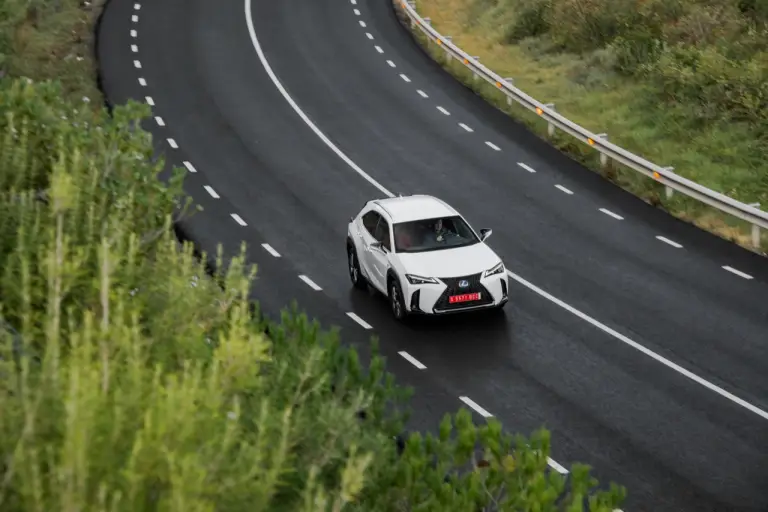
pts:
[485, 233]
[376, 245]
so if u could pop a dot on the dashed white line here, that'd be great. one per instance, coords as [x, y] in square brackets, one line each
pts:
[354, 2]
[150, 101]
[404, 77]
[134, 48]
[363, 323]
[611, 214]
[422, 93]
[526, 167]
[357, 12]
[369, 35]
[362, 23]
[492, 146]
[479, 410]
[142, 82]
[159, 121]
[470, 130]
[271, 250]
[190, 167]
[238, 219]
[133, 33]
[441, 109]
[415, 362]
[173, 144]
[391, 64]
[378, 49]
[310, 283]
[210, 190]
[556, 466]
[737, 272]
[670, 242]
[137, 6]
[563, 189]
[137, 64]
[134, 18]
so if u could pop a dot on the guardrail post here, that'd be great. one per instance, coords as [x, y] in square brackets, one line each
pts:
[603, 156]
[475, 76]
[550, 126]
[510, 81]
[428, 21]
[755, 230]
[448, 55]
[668, 191]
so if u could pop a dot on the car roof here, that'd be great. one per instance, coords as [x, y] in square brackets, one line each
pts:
[415, 207]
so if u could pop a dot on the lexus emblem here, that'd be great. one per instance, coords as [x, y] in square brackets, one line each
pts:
[463, 283]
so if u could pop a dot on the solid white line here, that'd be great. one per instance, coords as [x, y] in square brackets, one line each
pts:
[357, 12]
[415, 362]
[159, 121]
[405, 78]
[369, 35]
[137, 64]
[133, 33]
[441, 109]
[321, 135]
[611, 214]
[666, 362]
[173, 144]
[378, 49]
[210, 190]
[670, 242]
[493, 146]
[363, 323]
[142, 82]
[310, 283]
[362, 23]
[150, 101]
[737, 272]
[190, 167]
[556, 466]
[517, 278]
[391, 64]
[526, 167]
[271, 250]
[238, 219]
[134, 48]
[422, 93]
[470, 130]
[560, 187]
[134, 18]
[482, 412]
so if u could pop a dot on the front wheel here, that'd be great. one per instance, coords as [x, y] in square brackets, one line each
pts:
[354, 269]
[396, 302]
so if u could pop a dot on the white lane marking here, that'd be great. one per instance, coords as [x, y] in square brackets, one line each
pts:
[391, 64]
[137, 6]
[190, 167]
[670, 242]
[562, 188]
[134, 33]
[369, 35]
[556, 466]
[173, 144]
[150, 101]
[159, 121]
[737, 272]
[611, 214]
[134, 18]
[357, 12]
[362, 23]
[354, 2]
[492, 146]
[142, 82]
[363, 323]
[238, 219]
[470, 130]
[526, 167]
[405, 78]
[271, 250]
[137, 64]
[479, 410]
[650, 353]
[310, 283]
[441, 109]
[210, 190]
[415, 362]
[422, 93]
[134, 48]
[514, 276]
[292, 103]
[378, 49]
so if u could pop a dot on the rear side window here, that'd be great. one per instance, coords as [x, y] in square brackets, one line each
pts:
[382, 233]
[370, 220]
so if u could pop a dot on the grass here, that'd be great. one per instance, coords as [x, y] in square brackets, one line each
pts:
[723, 157]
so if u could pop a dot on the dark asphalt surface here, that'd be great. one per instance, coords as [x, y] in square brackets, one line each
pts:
[675, 444]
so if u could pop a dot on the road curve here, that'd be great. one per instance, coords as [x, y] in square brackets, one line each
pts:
[390, 111]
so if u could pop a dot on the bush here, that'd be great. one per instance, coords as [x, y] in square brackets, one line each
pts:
[531, 20]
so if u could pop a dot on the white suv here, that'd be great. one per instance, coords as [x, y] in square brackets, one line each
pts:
[423, 255]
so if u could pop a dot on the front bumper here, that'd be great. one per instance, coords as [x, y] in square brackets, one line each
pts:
[432, 299]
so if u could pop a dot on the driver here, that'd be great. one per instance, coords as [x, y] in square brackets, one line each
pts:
[440, 230]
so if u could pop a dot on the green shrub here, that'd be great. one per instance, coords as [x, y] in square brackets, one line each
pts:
[531, 20]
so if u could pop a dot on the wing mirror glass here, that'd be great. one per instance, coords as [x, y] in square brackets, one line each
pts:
[376, 245]
[485, 233]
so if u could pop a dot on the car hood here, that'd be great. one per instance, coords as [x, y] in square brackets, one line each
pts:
[457, 262]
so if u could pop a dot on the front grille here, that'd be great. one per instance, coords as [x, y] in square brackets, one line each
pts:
[475, 286]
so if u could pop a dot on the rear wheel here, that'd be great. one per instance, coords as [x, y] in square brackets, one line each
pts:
[396, 302]
[355, 275]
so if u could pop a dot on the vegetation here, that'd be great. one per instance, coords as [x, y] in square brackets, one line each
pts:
[682, 82]
[132, 380]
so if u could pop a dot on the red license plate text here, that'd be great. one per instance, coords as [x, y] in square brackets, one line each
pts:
[467, 297]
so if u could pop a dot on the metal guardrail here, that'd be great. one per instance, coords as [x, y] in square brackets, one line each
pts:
[664, 175]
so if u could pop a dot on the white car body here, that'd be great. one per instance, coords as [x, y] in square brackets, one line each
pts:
[430, 272]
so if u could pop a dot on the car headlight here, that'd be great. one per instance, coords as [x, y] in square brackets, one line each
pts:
[498, 269]
[420, 280]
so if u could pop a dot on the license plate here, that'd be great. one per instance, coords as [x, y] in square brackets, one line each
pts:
[467, 297]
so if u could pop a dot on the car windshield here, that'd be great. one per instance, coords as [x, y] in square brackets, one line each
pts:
[433, 234]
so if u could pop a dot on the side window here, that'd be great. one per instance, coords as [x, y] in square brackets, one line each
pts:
[382, 233]
[370, 220]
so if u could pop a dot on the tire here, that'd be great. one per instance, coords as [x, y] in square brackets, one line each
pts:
[353, 266]
[396, 302]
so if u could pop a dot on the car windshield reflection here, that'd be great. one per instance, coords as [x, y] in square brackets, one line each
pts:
[433, 234]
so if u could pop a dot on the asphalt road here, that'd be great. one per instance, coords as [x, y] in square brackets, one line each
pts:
[675, 442]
